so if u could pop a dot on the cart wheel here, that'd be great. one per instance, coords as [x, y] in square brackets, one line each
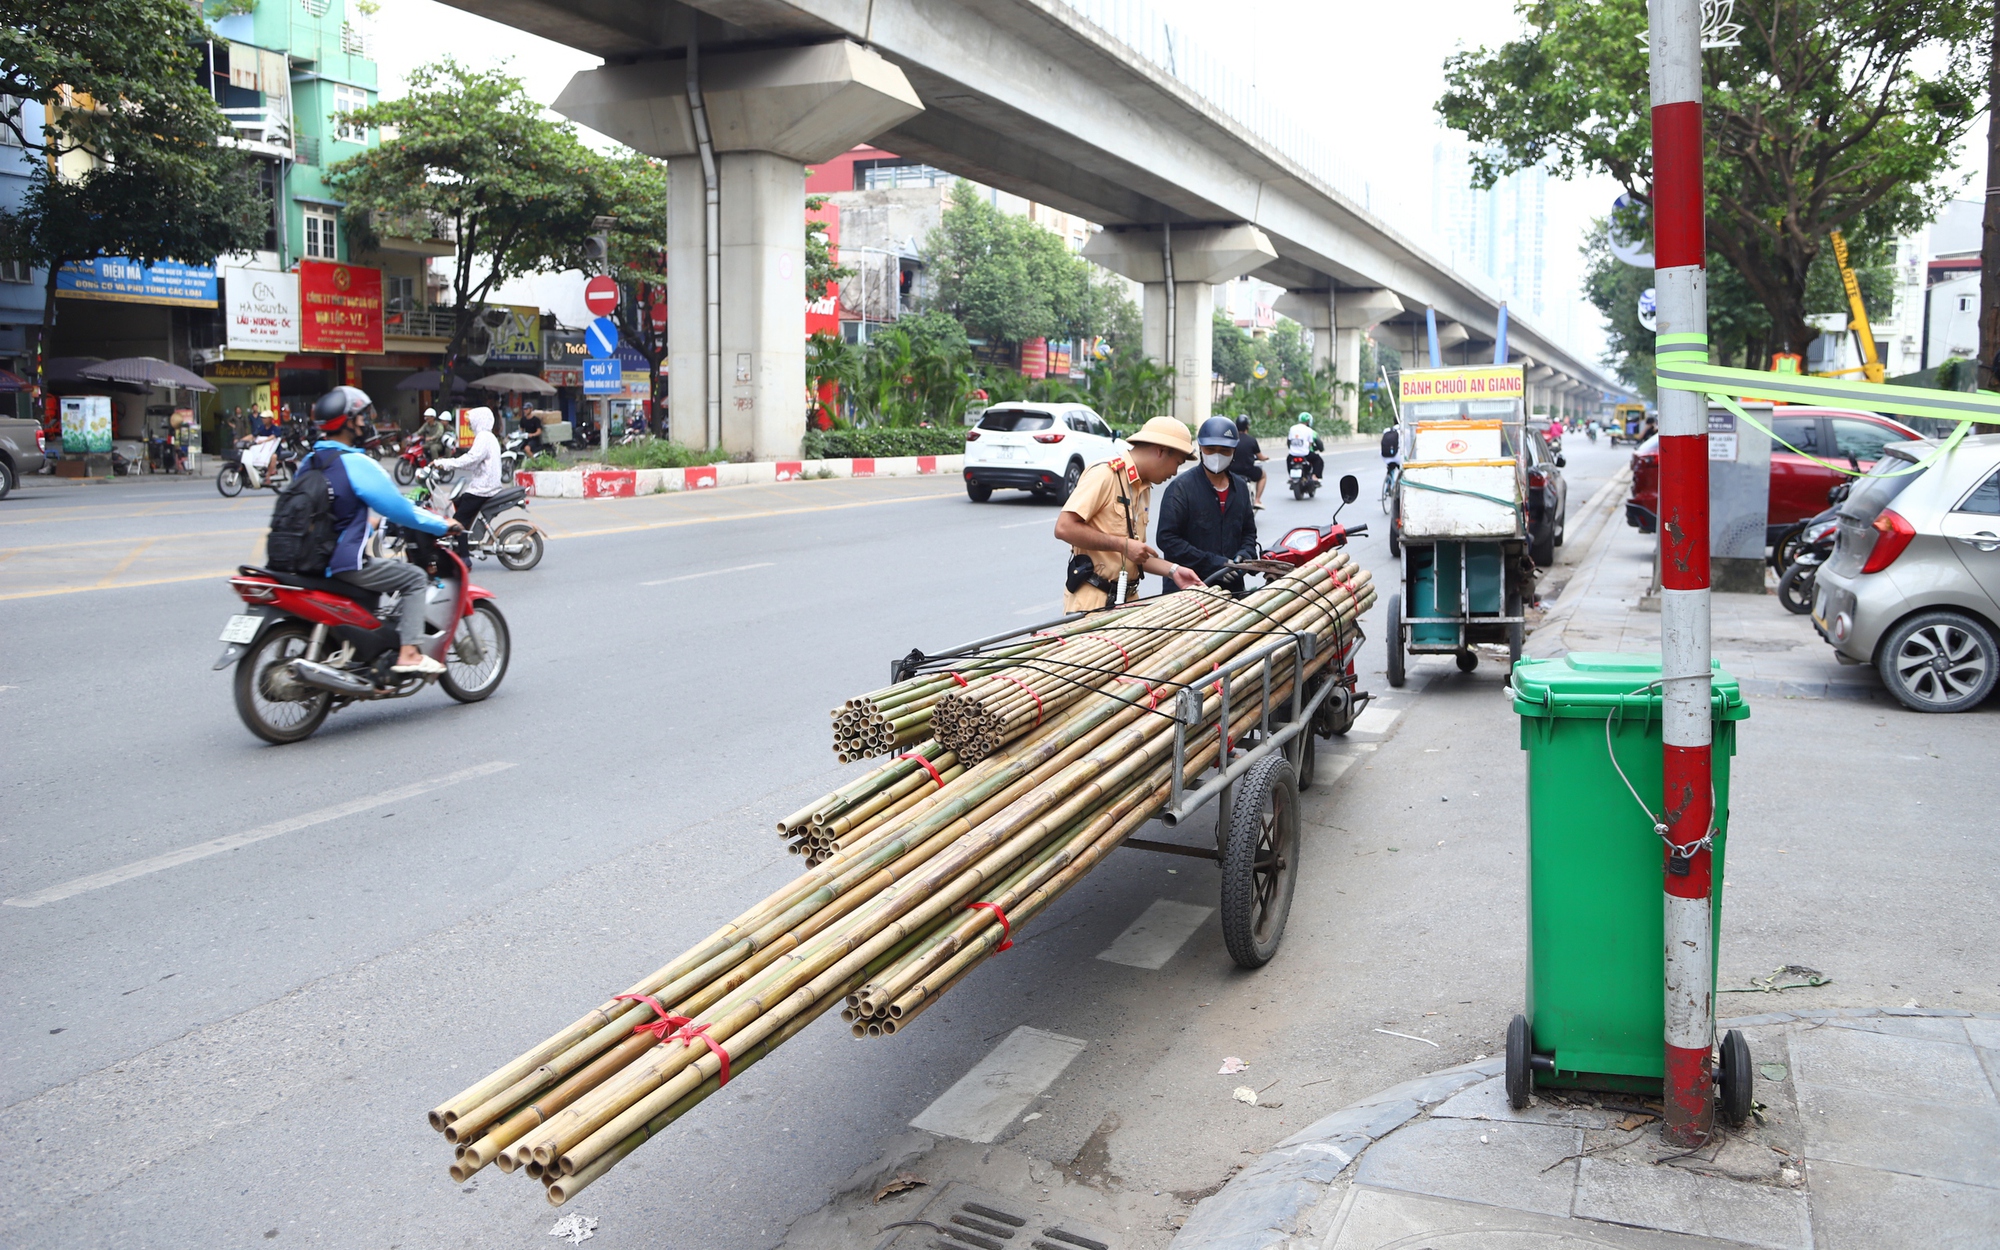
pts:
[1467, 661]
[1520, 1078]
[1308, 758]
[1394, 637]
[1733, 1080]
[1260, 861]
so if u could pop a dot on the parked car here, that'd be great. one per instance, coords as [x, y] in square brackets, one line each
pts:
[21, 451]
[1548, 499]
[1913, 585]
[1799, 486]
[1043, 448]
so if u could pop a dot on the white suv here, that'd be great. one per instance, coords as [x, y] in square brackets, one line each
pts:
[1042, 448]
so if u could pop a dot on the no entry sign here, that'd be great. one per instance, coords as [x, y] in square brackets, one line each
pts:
[600, 295]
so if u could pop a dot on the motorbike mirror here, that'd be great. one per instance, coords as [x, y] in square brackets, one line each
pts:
[1350, 488]
[1561, 463]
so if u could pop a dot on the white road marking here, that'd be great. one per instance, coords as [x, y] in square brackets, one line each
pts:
[1021, 525]
[1157, 935]
[688, 577]
[1000, 1087]
[1331, 768]
[215, 846]
[1376, 720]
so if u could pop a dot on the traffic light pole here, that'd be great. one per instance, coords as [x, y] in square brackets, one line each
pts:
[1681, 281]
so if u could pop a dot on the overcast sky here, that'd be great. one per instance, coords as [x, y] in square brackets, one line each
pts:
[1369, 73]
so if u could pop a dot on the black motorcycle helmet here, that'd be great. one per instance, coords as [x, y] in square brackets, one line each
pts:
[338, 407]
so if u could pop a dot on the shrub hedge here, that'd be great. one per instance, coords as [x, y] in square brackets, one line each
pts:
[881, 443]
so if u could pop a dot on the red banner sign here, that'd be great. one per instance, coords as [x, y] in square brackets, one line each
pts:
[342, 306]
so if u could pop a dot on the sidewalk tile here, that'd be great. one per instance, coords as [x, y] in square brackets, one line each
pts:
[1680, 1201]
[1904, 1067]
[1864, 1209]
[1488, 1101]
[1924, 1028]
[1373, 1219]
[1881, 1130]
[1446, 1159]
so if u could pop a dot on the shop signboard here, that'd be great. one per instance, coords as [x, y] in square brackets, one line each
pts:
[517, 340]
[563, 375]
[261, 310]
[86, 423]
[342, 307]
[127, 281]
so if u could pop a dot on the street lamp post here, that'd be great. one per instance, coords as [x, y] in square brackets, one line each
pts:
[1689, 799]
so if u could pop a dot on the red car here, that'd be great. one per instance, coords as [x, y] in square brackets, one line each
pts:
[1798, 485]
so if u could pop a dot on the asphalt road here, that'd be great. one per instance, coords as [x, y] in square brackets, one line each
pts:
[241, 1047]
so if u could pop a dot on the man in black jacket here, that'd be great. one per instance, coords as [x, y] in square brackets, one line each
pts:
[1206, 518]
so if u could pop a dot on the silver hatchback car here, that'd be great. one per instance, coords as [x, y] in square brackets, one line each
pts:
[1913, 585]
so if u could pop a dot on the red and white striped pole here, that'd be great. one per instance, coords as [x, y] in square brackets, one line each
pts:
[1681, 289]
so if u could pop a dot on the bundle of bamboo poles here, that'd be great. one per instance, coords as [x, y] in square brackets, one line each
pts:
[894, 916]
[899, 716]
[977, 718]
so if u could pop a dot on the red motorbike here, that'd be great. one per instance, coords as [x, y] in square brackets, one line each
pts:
[415, 455]
[1337, 712]
[306, 646]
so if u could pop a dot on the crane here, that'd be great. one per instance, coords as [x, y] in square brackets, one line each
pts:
[1871, 364]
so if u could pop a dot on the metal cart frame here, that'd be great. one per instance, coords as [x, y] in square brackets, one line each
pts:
[1256, 780]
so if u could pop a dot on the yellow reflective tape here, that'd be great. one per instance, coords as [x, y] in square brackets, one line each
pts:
[1937, 453]
[1716, 380]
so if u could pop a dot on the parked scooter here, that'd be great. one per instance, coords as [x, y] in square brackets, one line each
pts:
[306, 646]
[1813, 548]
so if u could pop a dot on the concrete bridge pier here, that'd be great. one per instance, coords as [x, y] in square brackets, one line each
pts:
[1339, 319]
[768, 114]
[1202, 256]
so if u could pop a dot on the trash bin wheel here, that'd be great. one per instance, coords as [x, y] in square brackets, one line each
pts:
[1393, 637]
[1467, 660]
[1260, 861]
[1733, 1080]
[1520, 1079]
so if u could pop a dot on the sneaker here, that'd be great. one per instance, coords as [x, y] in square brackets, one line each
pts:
[424, 664]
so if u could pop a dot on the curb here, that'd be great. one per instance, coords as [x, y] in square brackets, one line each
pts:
[1265, 1205]
[626, 483]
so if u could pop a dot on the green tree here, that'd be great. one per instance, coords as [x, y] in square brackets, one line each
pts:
[118, 78]
[1830, 116]
[1004, 278]
[1230, 354]
[470, 148]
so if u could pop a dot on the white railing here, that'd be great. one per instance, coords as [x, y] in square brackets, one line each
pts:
[269, 127]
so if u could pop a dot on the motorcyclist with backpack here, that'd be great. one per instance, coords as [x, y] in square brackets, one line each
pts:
[354, 483]
[1304, 442]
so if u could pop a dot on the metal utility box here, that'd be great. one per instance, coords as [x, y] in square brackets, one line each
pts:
[1739, 498]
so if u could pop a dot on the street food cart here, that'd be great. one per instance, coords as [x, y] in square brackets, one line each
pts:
[1461, 523]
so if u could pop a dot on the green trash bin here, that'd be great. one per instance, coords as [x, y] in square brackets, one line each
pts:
[1596, 1012]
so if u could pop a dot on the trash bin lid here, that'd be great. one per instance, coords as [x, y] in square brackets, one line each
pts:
[1591, 684]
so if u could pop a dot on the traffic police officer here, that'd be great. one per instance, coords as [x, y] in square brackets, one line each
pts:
[1104, 520]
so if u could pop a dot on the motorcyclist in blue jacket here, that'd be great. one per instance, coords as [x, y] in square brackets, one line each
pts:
[358, 485]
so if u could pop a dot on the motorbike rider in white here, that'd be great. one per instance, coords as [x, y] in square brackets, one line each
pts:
[1303, 440]
[480, 467]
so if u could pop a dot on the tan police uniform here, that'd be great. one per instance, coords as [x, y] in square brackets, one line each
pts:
[1097, 500]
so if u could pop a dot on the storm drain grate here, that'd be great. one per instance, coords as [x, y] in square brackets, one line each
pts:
[990, 1224]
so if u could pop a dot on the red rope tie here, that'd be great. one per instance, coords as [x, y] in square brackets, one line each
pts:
[1031, 694]
[690, 1032]
[1216, 685]
[1043, 633]
[960, 680]
[928, 767]
[1152, 699]
[1107, 642]
[659, 1028]
[1006, 930]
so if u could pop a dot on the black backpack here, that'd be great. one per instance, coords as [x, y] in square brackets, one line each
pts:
[303, 533]
[1390, 440]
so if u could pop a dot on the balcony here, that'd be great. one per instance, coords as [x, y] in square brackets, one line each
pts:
[414, 234]
[266, 132]
[417, 323]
